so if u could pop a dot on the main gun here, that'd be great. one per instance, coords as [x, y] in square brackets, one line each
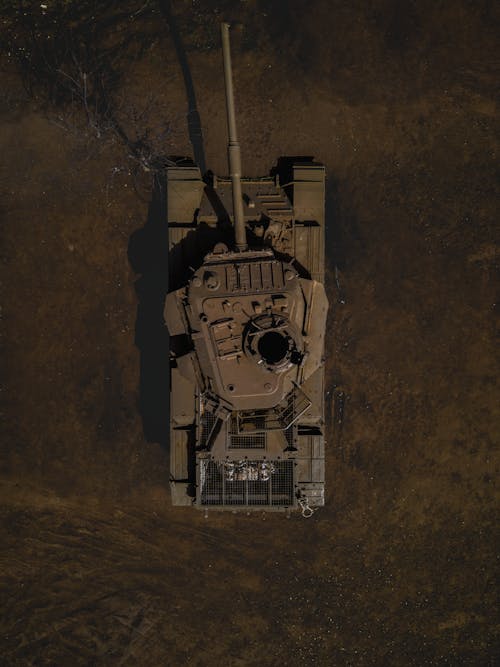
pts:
[233, 149]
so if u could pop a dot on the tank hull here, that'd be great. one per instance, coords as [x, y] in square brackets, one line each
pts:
[277, 463]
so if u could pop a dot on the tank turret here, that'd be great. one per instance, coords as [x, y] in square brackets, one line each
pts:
[246, 325]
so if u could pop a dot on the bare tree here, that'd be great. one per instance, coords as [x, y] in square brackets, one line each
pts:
[72, 55]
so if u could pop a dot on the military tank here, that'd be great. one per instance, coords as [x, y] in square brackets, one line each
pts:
[246, 318]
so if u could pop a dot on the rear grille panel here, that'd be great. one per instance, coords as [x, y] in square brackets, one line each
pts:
[246, 483]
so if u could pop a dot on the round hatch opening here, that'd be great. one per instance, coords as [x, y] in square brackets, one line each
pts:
[273, 347]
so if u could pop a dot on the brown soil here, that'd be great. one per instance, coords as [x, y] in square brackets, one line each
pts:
[399, 567]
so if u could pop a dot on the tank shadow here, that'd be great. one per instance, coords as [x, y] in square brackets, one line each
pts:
[160, 271]
[148, 256]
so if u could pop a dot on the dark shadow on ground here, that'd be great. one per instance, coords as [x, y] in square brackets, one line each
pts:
[162, 271]
[148, 256]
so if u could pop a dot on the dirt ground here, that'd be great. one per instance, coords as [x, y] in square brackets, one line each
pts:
[397, 100]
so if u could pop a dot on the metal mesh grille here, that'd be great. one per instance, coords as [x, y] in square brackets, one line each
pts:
[279, 418]
[207, 422]
[257, 441]
[231, 483]
[290, 436]
[241, 441]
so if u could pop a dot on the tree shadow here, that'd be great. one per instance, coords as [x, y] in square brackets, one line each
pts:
[193, 116]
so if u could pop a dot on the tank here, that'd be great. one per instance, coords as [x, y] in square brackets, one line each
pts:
[246, 315]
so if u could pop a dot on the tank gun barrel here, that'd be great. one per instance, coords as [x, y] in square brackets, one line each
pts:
[234, 155]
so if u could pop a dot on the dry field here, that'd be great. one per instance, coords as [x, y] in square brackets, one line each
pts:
[96, 567]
